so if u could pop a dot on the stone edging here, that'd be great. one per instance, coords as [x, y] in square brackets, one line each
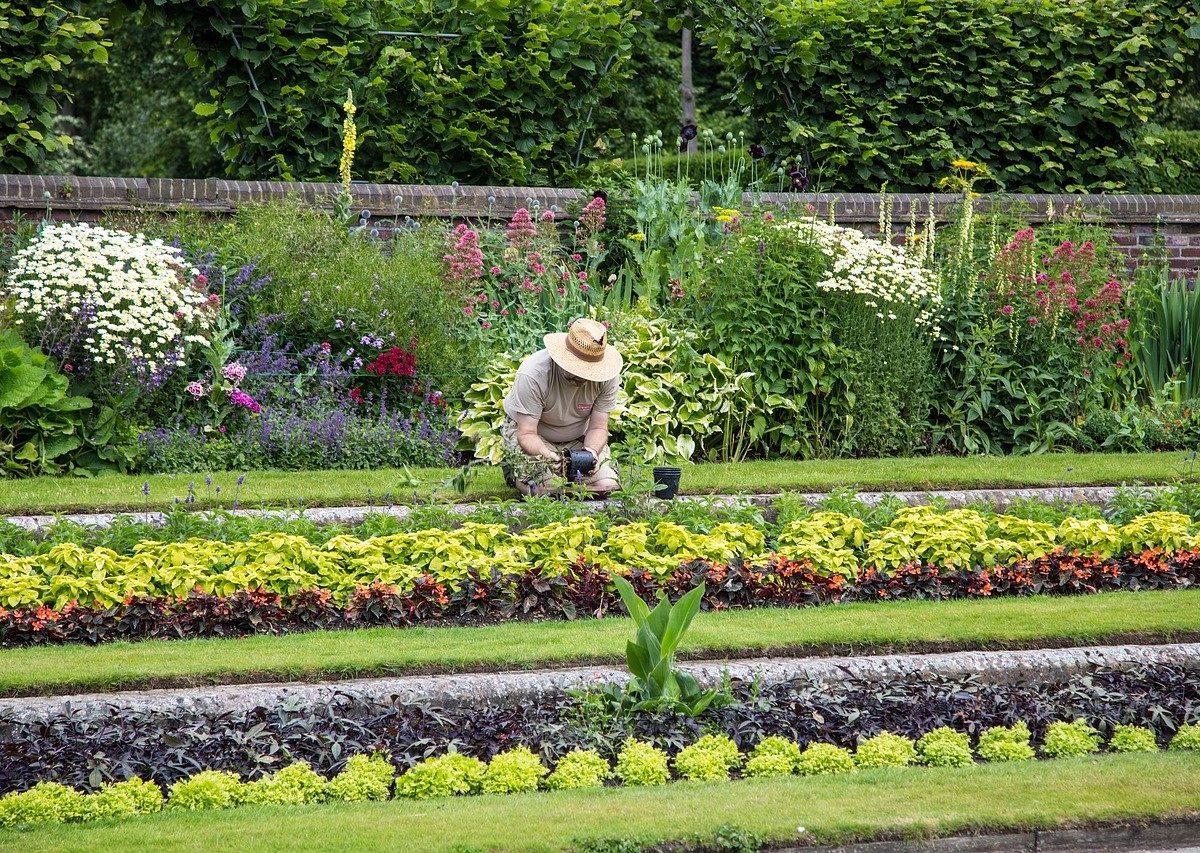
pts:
[452, 690]
[999, 498]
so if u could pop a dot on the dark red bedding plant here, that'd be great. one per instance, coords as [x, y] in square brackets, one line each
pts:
[583, 590]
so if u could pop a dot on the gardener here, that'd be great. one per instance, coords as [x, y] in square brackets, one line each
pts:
[560, 401]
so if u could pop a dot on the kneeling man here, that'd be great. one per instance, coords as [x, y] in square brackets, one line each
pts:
[560, 401]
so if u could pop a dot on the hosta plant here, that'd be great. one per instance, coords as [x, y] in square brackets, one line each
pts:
[673, 397]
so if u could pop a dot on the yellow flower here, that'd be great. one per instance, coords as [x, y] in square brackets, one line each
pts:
[965, 165]
[349, 141]
[636, 236]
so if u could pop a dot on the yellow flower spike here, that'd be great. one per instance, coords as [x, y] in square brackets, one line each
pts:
[965, 165]
[349, 140]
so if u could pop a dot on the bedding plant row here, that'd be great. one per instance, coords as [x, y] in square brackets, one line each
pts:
[275, 582]
[711, 758]
[89, 746]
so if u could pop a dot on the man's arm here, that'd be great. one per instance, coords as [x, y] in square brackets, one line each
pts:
[596, 437]
[530, 441]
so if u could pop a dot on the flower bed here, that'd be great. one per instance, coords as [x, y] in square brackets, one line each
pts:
[518, 770]
[276, 582]
[86, 749]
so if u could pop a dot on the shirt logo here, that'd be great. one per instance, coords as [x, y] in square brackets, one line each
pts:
[583, 408]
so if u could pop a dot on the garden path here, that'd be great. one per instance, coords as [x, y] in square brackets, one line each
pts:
[448, 690]
[999, 498]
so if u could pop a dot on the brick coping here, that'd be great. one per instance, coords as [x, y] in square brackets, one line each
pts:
[216, 195]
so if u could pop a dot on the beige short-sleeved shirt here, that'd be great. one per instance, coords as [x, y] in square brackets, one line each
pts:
[541, 389]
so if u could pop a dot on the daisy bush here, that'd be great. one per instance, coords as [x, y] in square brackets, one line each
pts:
[882, 274]
[104, 300]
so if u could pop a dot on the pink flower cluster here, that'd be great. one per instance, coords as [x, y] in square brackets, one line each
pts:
[593, 215]
[465, 257]
[245, 401]
[1065, 291]
[521, 229]
[235, 372]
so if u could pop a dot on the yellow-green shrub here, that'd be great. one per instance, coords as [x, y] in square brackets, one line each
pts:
[1066, 740]
[821, 758]
[443, 776]
[944, 747]
[773, 756]
[711, 758]
[365, 777]
[1006, 743]
[885, 750]
[1132, 739]
[209, 789]
[514, 771]
[640, 763]
[45, 802]
[579, 768]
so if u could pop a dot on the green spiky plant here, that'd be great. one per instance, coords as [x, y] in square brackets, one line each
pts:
[657, 683]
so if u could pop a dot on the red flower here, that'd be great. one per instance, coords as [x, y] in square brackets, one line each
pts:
[356, 395]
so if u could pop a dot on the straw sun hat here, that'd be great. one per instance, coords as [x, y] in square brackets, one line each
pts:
[583, 351]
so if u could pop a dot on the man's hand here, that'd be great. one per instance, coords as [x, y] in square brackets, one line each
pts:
[532, 443]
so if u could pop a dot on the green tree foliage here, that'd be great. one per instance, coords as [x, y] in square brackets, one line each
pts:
[1049, 95]
[446, 89]
[136, 110]
[38, 42]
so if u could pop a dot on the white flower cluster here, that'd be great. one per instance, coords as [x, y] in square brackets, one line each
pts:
[883, 274]
[140, 301]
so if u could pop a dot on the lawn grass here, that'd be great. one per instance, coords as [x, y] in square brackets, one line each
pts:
[849, 628]
[357, 488]
[888, 803]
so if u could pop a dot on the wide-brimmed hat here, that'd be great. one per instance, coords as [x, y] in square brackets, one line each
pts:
[583, 351]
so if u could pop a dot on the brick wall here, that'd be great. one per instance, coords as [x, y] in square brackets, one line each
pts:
[1134, 218]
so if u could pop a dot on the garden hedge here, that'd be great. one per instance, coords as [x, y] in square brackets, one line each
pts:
[1050, 96]
[1178, 166]
[446, 90]
[37, 42]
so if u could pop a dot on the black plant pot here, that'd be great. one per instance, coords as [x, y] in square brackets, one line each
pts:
[666, 482]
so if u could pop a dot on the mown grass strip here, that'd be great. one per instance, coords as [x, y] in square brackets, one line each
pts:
[890, 803]
[358, 488]
[850, 628]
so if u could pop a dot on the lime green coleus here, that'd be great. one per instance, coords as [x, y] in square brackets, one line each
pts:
[834, 543]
